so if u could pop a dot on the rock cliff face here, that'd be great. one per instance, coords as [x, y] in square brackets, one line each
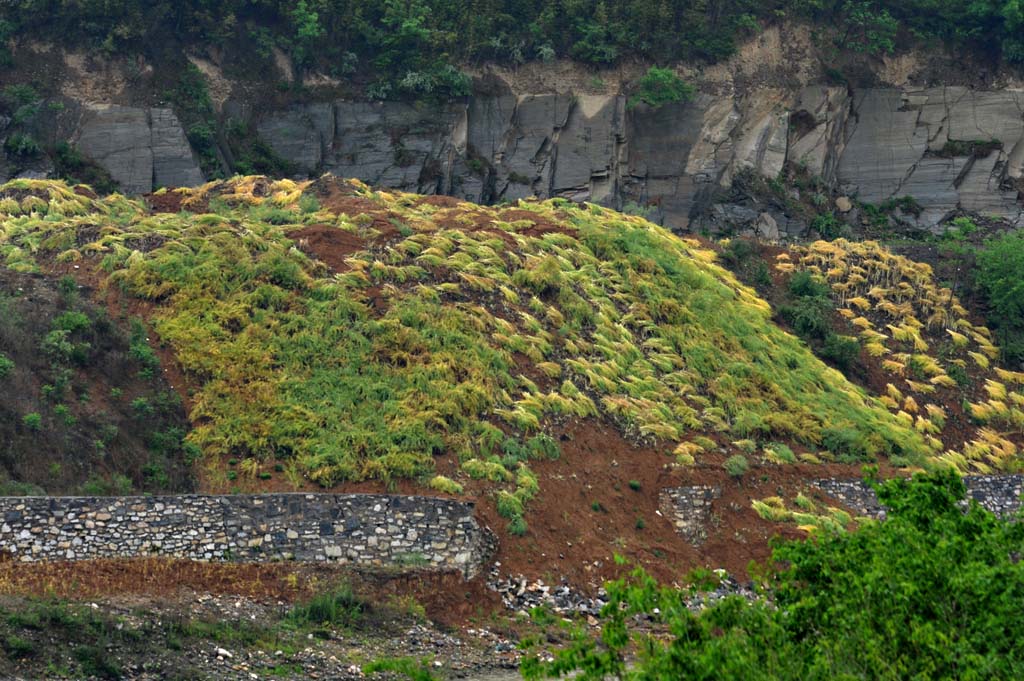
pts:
[140, 148]
[949, 148]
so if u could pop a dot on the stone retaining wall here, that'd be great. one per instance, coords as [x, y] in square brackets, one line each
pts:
[689, 508]
[362, 529]
[1000, 494]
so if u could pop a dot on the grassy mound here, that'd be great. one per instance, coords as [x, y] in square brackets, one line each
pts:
[356, 333]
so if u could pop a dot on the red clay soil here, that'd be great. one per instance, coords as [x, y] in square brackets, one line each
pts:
[328, 244]
[438, 201]
[568, 537]
[445, 595]
[167, 202]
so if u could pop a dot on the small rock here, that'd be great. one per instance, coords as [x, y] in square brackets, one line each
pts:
[844, 205]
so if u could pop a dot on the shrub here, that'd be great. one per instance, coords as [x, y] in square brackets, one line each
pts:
[17, 648]
[843, 350]
[22, 145]
[489, 470]
[96, 662]
[779, 453]
[661, 86]
[543, 446]
[847, 444]
[947, 554]
[6, 366]
[308, 204]
[828, 226]
[142, 407]
[19, 94]
[518, 526]
[634, 485]
[405, 667]
[1000, 276]
[116, 485]
[139, 348]
[805, 284]
[33, 421]
[736, 466]
[509, 505]
[11, 488]
[809, 317]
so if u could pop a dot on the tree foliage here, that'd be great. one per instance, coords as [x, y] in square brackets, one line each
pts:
[661, 86]
[931, 593]
[415, 40]
[1000, 275]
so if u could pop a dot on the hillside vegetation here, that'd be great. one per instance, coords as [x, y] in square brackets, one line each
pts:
[413, 48]
[350, 334]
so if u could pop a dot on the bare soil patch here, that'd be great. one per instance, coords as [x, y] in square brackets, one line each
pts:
[328, 244]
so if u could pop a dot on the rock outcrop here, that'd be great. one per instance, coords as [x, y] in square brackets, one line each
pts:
[947, 147]
[140, 148]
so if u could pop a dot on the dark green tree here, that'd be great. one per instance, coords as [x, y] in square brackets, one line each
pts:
[933, 592]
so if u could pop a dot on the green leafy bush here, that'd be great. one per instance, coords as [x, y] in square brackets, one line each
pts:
[661, 86]
[509, 505]
[834, 611]
[517, 526]
[843, 350]
[32, 421]
[1000, 275]
[22, 146]
[6, 366]
[829, 226]
[780, 453]
[849, 445]
[809, 317]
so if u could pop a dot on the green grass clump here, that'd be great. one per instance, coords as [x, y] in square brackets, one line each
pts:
[776, 452]
[509, 505]
[426, 341]
[339, 607]
[736, 466]
[486, 470]
[446, 485]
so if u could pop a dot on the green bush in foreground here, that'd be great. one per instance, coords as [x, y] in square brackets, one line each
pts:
[934, 592]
